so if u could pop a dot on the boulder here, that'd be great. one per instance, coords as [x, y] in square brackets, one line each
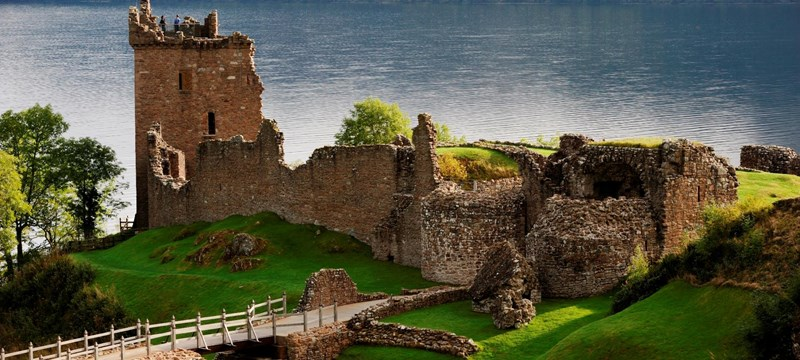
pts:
[242, 244]
[506, 286]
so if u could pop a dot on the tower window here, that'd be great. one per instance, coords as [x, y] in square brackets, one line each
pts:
[212, 123]
[184, 81]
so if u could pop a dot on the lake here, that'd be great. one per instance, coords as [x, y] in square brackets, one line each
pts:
[726, 75]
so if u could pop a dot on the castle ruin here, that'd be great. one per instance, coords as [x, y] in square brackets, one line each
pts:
[204, 152]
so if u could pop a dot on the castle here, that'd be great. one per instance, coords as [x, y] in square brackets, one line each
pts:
[204, 151]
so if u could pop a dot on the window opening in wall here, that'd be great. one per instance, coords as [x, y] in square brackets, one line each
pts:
[212, 123]
[165, 167]
[180, 81]
[616, 180]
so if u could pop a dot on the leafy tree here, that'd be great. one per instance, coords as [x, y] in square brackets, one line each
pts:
[31, 136]
[443, 134]
[373, 121]
[12, 202]
[90, 168]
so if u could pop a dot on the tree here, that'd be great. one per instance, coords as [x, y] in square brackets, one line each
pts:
[373, 121]
[12, 202]
[443, 134]
[53, 296]
[31, 136]
[90, 169]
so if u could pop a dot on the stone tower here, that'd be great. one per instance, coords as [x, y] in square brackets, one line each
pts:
[196, 84]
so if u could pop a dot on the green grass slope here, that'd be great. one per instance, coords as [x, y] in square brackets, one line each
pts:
[555, 320]
[769, 187]
[151, 289]
[678, 322]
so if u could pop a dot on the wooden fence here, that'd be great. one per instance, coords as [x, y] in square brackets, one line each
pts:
[146, 334]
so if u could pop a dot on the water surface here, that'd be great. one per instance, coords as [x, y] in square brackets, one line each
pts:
[724, 75]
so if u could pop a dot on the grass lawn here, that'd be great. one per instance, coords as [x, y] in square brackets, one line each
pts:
[768, 187]
[554, 321]
[542, 151]
[642, 142]
[493, 157]
[151, 289]
[678, 322]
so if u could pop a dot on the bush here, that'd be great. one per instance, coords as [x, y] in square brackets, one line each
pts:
[373, 121]
[452, 169]
[769, 337]
[54, 296]
[640, 288]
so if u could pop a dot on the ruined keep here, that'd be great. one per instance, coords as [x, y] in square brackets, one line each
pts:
[204, 152]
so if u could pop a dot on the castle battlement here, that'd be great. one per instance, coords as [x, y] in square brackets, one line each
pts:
[144, 30]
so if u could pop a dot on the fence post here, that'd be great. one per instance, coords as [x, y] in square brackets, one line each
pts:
[305, 320]
[3, 354]
[138, 328]
[112, 334]
[249, 313]
[320, 315]
[96, 352]
[335, 311]
[224, 327]
[147, 326]
[274, 330]
[30, 351]
[284, 302]
[253, 305]
[269, 304]
[85, 340]
[58, 347]
[147, 337]
[172, 334]
[122, 348]
[69, 354]
[197, 330]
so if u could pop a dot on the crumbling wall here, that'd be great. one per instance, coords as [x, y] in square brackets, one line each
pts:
[582, 247]
[350, 189]
[197, 88]
[678, 178]
[320, 343]
[770, 158]
[693, 179]
[460, 226]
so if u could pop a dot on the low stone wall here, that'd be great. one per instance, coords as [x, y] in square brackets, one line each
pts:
[321, 343]
[404, 336]
[770, 158]
[583, 247]
[407, 303]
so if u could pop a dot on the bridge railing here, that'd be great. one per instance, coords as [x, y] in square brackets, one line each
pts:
[171, 331]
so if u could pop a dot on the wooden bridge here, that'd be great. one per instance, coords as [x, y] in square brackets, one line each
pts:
[259, 322]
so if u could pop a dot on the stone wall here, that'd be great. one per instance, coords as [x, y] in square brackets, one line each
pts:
[383, 334]
[321, 343]
[770, 158]
[678, 178]
[354, 190]
[403, 304]
[185, 84]
[328, 285]
[460, 226]
[583, 247]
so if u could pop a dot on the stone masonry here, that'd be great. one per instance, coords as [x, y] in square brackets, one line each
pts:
[774, 159]
[197, 88]
[204, 152]
[328, 285]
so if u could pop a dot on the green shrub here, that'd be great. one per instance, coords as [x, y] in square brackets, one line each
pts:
[54, 296]
[452, 169]
[639, 266]
[640, 288]
[769, 337]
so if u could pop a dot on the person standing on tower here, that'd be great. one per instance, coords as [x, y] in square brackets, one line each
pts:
[177, 22]
[163, 24]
